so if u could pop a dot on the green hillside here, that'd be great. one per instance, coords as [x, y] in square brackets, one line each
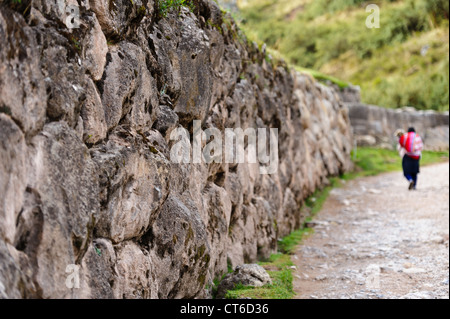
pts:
[404, 62]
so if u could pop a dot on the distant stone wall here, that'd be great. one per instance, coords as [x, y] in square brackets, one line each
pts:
[348, 95]
[374, 125]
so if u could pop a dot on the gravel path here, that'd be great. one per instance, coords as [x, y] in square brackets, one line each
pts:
[374, 239]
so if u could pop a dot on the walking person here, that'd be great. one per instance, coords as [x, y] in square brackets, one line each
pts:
[411, 145]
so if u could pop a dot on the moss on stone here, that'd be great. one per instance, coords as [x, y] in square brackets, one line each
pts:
[200, 252]
[189, 236]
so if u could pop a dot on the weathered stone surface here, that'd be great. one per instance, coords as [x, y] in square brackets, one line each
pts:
[93, 115]
[183, 48]
[13, 171]
[60, 11]
[180, 250]
[63, 204]
[99, 275]
[134, 178]
[135, 276]
[167, 120]
[10, 275]
[127, 89]
[248, 275]
[64, 79]
[119, 18]
[96, 49]
[22, 88]
[216, 217]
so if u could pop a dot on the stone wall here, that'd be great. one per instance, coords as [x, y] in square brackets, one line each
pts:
[376, 126]
[86, 182]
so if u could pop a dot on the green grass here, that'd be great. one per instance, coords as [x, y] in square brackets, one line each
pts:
[288, 244]
[322, 77]
[316, 201]
[165, 6]
[330, 36]
[278, 267]
[373, 161]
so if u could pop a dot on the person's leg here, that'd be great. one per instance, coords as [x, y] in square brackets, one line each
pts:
[415, 180]
[406, 163]
[410, 179]
[405, 171]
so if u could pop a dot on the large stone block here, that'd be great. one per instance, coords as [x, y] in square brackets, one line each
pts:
[127, 89]
[13, 176]
[62, 204]
[179, 250]
[134, 177]
[22, 88]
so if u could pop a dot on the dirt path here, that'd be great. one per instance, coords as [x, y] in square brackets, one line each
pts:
[375, 239]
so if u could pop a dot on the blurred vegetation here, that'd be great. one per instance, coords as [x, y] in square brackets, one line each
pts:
[164, 6]
[404, 62]
[373, 161]
[280, 271]
[279, 267]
